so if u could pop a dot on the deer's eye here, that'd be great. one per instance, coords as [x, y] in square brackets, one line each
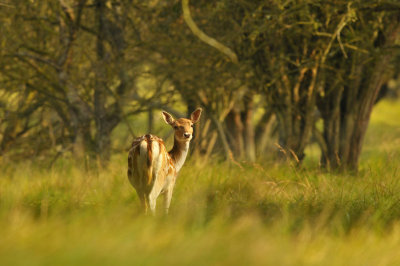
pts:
[175, 127]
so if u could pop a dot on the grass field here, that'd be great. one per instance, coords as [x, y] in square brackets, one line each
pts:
[260, 214]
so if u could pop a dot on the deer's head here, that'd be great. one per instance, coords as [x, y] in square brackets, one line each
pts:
[183, 127]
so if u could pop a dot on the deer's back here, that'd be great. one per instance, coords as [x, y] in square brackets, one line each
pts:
[149, 163]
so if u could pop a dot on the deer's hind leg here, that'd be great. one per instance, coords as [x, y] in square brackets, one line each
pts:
[143, 202]
[153, 195]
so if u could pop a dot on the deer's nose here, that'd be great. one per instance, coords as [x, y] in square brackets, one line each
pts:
[186, 135]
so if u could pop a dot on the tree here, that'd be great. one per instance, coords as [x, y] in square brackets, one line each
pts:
[298, 50]
[246, 62]
[72, 56]
[354, 79]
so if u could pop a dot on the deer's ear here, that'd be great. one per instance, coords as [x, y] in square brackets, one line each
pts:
[195, 116]
[168, 118]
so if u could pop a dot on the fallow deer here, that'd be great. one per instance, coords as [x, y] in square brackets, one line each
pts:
[151, 169]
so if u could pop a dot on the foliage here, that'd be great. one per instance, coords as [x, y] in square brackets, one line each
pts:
[83, 67]
[76, 59]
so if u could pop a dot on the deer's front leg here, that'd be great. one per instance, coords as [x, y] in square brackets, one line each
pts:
[168, 197]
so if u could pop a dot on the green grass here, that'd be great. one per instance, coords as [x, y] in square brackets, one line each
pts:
[261, 214]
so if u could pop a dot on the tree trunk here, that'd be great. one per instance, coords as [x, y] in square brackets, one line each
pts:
[331, 115]
[369, 95]
[235, 130]
[295, 111]
[264, 131]
[346, 111]
[249, 131]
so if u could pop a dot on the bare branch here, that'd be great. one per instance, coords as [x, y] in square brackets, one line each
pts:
[204, 37]
[7, 5]
[39, 59]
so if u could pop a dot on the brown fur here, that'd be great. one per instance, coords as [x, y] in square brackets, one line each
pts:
[149, 184]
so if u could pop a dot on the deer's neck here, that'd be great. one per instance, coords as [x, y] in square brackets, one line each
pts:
[178, 153]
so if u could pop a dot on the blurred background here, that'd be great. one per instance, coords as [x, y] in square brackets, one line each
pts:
[282, 84]
[81, 78]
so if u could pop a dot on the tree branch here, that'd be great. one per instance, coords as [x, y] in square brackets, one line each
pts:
[204, 37]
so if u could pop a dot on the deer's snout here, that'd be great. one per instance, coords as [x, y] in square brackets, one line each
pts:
[187, 135]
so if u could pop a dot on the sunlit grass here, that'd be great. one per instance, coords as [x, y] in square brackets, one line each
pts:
[260, 214]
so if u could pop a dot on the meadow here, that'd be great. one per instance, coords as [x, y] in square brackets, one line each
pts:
[267, 213]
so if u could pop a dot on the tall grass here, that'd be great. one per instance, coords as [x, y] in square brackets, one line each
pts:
[260, 214]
